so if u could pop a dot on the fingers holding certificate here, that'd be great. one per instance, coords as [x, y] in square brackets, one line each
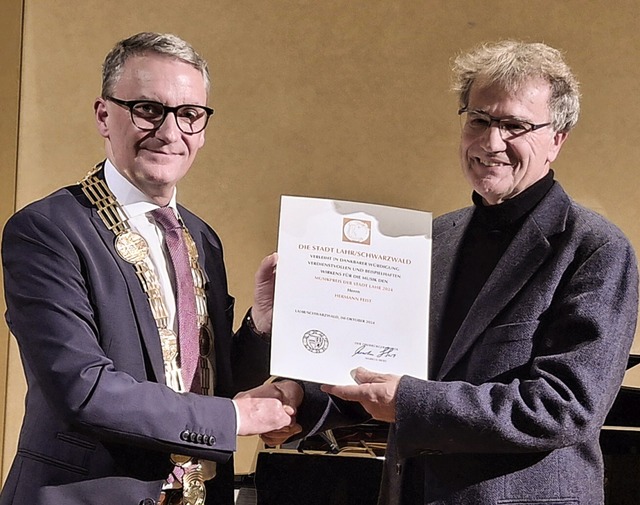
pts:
[374, 391]
[352, 290]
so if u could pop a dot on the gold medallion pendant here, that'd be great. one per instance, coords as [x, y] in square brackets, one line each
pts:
[180, 459]
[193, 490]
[131, 246]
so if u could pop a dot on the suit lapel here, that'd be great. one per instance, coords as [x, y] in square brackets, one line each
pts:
[522, 259]
[447, 237]
[138, 299]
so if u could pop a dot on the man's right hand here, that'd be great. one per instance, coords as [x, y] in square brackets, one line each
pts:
[289, 395]
[262, 415]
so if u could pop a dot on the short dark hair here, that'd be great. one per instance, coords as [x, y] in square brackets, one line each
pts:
[149, 42]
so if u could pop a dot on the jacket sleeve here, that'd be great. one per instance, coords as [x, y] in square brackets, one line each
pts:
[560, 394]
[97, 385]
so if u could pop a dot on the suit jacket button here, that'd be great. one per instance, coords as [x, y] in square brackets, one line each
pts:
[193, 437]
[205, 439]
[147, 501]
[212, 440]
[199, 438]
[184, 435]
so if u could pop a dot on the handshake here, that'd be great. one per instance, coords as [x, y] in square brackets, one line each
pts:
[270, 411]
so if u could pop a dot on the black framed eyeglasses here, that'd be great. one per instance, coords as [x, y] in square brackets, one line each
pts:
[476, 122]
[149, 115]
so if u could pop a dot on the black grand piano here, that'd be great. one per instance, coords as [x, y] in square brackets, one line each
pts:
[620, 441]
[354, 480]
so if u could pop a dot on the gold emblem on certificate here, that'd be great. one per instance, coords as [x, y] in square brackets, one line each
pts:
[356, 230]
[131, 246]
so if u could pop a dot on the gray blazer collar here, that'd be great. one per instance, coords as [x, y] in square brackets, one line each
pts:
[524, 256]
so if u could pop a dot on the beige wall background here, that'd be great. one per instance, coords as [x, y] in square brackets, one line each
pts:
[346, 99]
[10, 41]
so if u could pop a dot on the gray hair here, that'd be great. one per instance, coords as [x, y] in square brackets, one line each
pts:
[511, 65]
[144, 43]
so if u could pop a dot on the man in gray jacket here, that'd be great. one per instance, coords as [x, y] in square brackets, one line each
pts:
[533, 311]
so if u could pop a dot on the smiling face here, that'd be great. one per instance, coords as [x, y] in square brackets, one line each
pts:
[153, 161]
[499, 169]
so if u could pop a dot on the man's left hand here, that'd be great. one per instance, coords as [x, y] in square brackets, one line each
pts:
[262, 309]
[375, 391]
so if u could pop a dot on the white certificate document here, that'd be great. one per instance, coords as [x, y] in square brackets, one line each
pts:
[352, 289]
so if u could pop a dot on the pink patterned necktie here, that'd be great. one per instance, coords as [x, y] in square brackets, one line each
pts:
[188, 331]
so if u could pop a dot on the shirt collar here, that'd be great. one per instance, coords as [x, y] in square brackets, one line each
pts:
[512, 210]
[133, 201]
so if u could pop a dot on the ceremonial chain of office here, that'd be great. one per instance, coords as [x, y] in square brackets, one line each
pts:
[133, 248]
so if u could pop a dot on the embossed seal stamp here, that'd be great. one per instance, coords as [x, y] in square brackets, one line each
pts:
[315, 341]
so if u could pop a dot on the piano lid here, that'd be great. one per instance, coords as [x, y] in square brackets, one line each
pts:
[623, 413]
[631, 378]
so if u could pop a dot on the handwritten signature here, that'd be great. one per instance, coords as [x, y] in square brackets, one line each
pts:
[375, 351]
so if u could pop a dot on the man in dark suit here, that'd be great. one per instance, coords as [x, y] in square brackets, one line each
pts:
[534, 306]
[97, 304]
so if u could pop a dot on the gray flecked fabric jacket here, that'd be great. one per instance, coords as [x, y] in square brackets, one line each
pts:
[512, 415]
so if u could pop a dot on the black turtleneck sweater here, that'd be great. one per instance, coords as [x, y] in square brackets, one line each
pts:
[490, 232]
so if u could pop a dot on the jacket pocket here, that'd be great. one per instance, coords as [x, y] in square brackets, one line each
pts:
[69, 451]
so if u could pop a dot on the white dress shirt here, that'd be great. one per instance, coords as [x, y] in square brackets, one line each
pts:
[137, 206]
